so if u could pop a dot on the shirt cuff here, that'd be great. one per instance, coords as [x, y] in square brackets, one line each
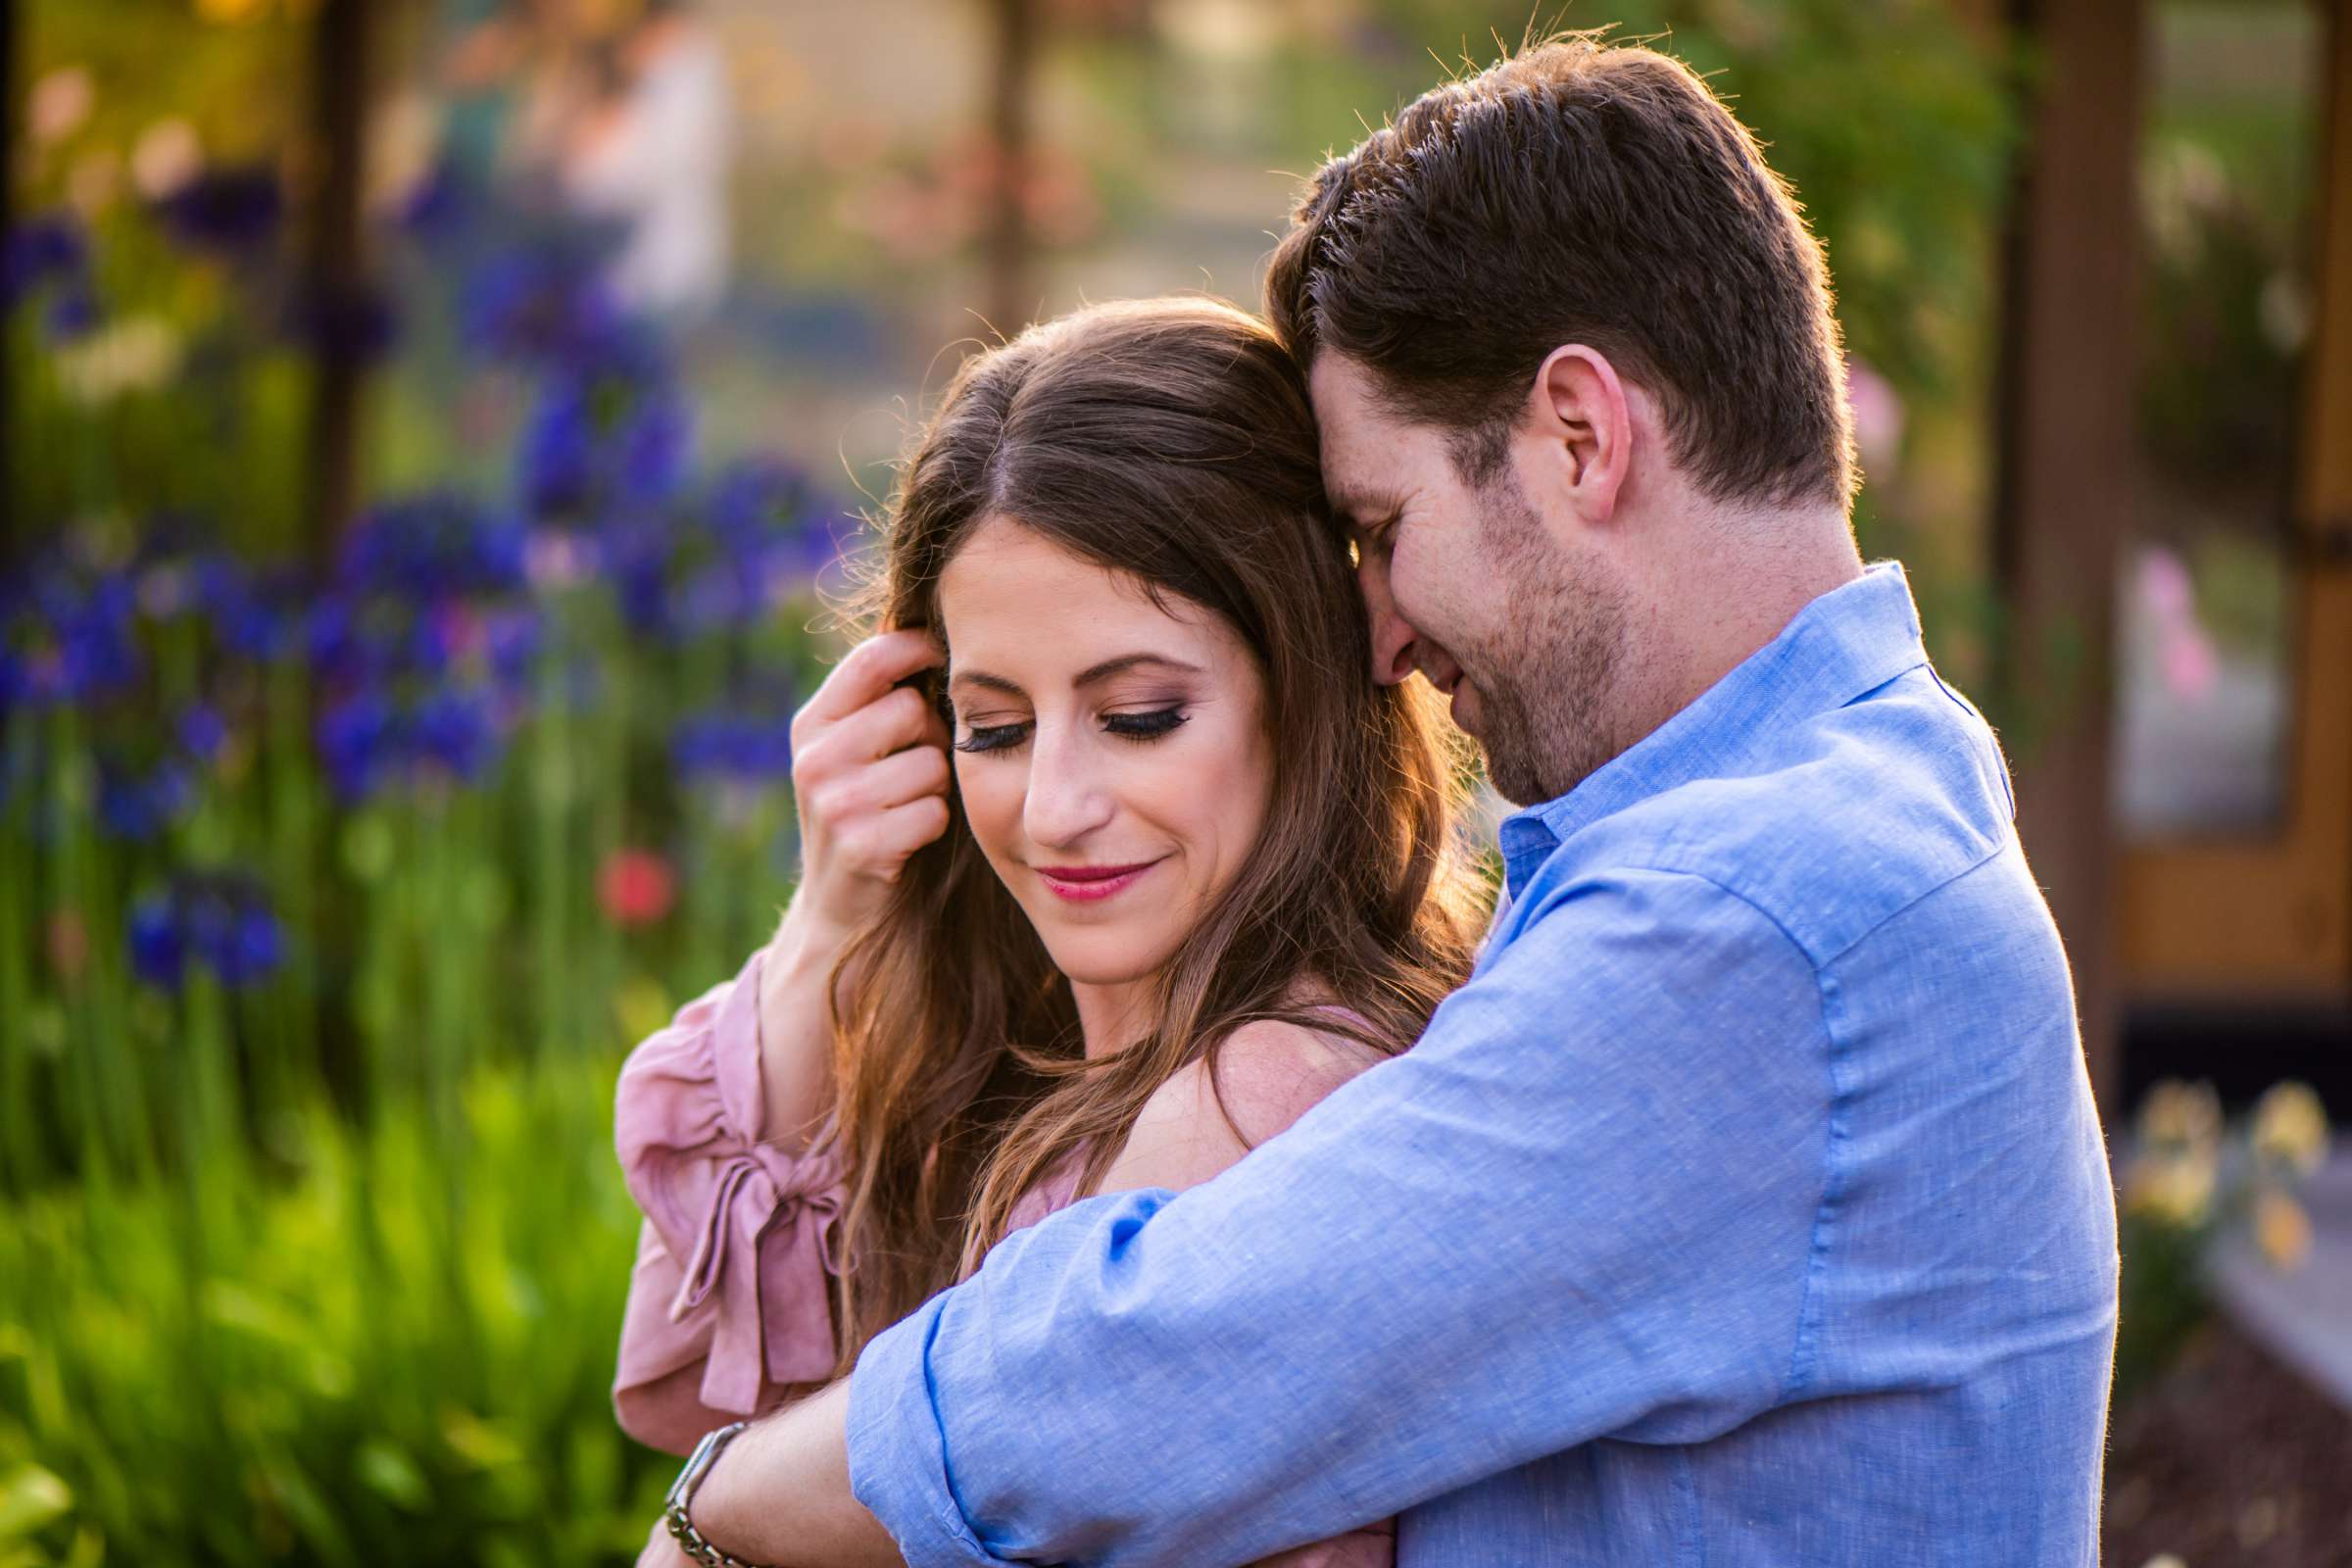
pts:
[898, 1453]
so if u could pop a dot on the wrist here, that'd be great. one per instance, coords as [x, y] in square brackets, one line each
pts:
[808, 943]
[677, 1508]
[796, 1029]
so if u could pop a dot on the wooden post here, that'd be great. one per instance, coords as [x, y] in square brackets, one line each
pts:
[1006, 241]
[335, 267]
[11, 546]
[2062, 498]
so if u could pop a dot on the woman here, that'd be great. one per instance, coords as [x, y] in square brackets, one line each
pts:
[1190, 870]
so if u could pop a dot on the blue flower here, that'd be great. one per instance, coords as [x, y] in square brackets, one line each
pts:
[514, 637]
[42, 248]
[558, 454]
[543, 306]
[358, 740]
[219, 919]
[201, 732]
[72, 633]
[607, 436]
[255, 613]
[748, 747]
[72, 313]
[654, 444]
[433, 546]
[158, 949]
[455, 729]
[138, 804]
[247, 946]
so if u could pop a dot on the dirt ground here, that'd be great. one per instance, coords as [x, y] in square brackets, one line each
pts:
[2228, 1461]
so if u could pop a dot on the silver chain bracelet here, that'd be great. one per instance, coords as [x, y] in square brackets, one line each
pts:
[691, 1541]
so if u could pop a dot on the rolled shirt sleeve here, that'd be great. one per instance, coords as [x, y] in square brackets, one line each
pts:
[1584, 1205]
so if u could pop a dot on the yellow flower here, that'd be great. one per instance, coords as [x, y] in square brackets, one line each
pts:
[2175, 1113]
[2171, 1185]
[2282, 1229]
[2290, 1128]
[229, 12]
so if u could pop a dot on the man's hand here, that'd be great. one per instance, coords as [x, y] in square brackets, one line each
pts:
[780, 1495]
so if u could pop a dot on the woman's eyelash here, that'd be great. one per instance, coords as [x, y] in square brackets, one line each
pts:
[1149, 726]
[991, 737]
[1144, 726]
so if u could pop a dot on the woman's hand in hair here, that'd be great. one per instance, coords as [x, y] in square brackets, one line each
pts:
[869, 775]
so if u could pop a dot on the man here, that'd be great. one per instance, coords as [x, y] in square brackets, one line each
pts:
[1748, 1205]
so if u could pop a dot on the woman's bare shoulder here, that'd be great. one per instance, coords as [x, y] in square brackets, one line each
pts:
[1268, 1074]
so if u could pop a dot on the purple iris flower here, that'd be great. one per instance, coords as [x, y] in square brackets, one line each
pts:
[433, 546]
[456, 730]
[749, 741]
[159, 950]
[255, 613]
[201, 732]
[543, 305]
[219, 919]
[515, 637]
[72, 313]
[73, 633]
[558, 454]
[140, 802]
[358, 740]
[42, 249]
[656, 442]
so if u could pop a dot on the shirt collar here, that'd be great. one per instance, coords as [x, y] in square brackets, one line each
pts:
[1851, 640]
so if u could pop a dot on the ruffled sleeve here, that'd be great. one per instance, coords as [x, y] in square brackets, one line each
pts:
[730, 1301]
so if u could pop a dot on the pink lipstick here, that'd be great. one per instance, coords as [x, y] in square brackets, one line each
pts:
[1086, 884]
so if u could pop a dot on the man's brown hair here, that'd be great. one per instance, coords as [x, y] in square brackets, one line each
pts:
[1580, 192]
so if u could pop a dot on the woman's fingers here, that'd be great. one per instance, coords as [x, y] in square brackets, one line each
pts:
[868, 671]
[891, 724]
[895, 780]
[893, 835]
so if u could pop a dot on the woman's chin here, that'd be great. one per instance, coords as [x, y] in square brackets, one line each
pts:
[1101, 958]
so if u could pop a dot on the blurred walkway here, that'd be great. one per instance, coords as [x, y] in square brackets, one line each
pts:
[2303, 1317]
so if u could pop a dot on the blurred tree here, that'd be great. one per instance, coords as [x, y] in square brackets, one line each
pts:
[336, 289]
[1006, 239]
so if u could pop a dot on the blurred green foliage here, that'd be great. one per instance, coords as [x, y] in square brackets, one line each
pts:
[397, 1356]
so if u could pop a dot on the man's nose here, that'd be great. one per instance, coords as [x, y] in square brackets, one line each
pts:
[1068, 796]
[1392, 636]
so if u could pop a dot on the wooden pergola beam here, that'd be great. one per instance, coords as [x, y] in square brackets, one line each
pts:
[335, 268]
[2063, 509]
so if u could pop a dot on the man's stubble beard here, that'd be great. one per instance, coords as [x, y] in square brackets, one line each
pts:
[1551, 667]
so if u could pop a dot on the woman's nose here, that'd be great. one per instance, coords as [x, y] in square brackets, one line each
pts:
[1068, 797]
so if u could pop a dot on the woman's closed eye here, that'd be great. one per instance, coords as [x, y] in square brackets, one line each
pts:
[1144, 726]
[1150, 725]
[979, 737]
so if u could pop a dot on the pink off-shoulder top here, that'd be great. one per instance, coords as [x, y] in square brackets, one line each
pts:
[730, 1307]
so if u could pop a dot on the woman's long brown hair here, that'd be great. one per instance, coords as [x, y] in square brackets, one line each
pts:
[1171, 441]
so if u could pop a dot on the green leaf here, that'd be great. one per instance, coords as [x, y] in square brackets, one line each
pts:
[31, 1498]
[387, 1470]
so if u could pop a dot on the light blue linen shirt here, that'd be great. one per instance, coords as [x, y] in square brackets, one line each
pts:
[1748, 1207]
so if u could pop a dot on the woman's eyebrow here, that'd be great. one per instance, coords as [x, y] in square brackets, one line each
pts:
[981, 677]
[1127, 662]
[963, 676]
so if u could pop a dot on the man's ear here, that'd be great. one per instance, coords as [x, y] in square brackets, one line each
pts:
[1583, 429]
